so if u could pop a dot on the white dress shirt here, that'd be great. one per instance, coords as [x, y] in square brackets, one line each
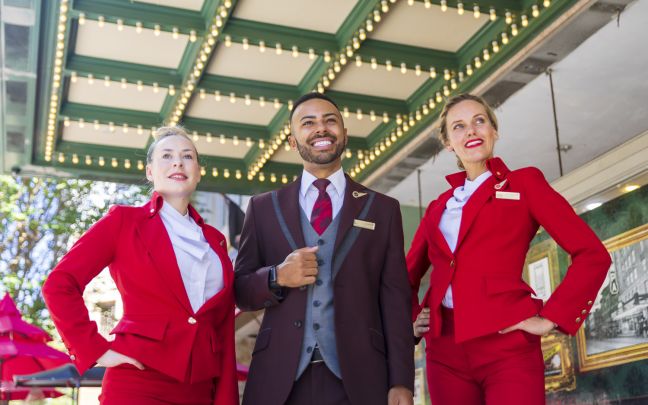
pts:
[200, 267]
[451, 220]
[308, 192]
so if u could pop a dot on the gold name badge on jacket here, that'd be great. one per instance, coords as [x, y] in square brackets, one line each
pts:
[507, 195]
[364, 224]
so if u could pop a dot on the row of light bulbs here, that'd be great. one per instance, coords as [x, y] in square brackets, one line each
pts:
[404, 126]
[341, 59]
[56, 78]
[200, 63]
[123, 83]
[119, 24]
[139, 164]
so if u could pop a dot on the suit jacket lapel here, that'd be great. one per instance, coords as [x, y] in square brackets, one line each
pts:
[289, 204]
[351, 207]
[476, 201]
[219, 246]
[160, 250]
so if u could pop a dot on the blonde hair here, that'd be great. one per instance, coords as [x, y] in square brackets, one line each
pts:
[165, 132]
[443, 126]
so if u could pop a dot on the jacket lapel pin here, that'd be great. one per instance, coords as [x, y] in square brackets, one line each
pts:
[501, 184]
[357, 194]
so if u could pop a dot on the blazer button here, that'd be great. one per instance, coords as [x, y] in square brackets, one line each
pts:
[578, 319]
[152, 210]
[298, 324]
[583, 312]
[589, 302]
[72, 357]
[192, 320]
[452, 263]
[267, 303]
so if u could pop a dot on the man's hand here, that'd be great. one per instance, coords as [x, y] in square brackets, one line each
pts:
[299, 268]
[399, 395]
[422, 323]
[112, 358]
[536, 325]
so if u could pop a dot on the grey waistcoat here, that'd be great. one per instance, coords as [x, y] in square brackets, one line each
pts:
[319, 323]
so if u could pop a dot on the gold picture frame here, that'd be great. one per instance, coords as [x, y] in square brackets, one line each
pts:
[559, 366]
[541, 267]
[616, 332]
[542, 273]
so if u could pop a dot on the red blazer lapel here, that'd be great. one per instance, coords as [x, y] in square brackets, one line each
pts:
[473, 206]
[289, 204]
[351, 207]
[159, 248]
[435, 219]
[218, 245]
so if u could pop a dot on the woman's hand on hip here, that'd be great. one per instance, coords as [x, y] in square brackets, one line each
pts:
[112, 358]
[536, 325]
[422, 323]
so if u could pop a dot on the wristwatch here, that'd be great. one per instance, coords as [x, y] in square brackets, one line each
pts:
[272, 280]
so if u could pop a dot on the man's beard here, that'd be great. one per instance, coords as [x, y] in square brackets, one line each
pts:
[320, 158]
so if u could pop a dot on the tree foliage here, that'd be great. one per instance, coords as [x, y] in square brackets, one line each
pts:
[40, 219]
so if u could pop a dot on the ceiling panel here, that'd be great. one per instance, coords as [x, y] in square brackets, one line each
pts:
[315, 15]
[126, 45]
[224, 148]
[116, 95]
[105, 135]
[241, 110]
[364, 80]
[251, 63]
[195, 5]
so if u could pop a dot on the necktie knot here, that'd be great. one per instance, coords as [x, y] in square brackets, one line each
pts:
[321, 184]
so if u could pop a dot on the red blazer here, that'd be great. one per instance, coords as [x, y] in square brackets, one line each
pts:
[159, 327]
[486, 267]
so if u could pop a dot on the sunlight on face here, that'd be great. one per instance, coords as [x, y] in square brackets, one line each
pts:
[174, 169]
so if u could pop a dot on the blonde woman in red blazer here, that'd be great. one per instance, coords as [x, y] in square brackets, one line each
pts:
[482, 326]
[170, 347]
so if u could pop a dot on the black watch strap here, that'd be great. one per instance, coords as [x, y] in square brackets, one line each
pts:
[272, 279]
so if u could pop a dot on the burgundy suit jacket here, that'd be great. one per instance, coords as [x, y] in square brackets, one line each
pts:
[371, 299]
[486, 267]
[159, 327]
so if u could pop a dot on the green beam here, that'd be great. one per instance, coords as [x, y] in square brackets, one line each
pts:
[271, 34]
[230, 129]
[500, 6]
[368, 103]
[84, 65]
[410, 55]
[253, 88]
[104, 115]
[131, 12]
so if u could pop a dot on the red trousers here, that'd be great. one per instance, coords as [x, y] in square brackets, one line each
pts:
[497, 369]
[127, 385]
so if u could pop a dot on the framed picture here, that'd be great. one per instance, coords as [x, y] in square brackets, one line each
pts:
[541, 268]
[616, 331]
[559, 367]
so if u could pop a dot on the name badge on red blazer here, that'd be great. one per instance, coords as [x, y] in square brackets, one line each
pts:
[507, 195]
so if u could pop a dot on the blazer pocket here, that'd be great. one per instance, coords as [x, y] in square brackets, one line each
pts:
[377, 340]
[262, 340]
[498, 285]
[151, 329]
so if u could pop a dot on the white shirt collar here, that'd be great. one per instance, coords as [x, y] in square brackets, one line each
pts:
[473, 185]
[337, 179]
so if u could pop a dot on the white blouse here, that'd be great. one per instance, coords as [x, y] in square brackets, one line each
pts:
[200, 267]
[451, 220]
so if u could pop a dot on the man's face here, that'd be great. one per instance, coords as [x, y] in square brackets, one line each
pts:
[318, 132]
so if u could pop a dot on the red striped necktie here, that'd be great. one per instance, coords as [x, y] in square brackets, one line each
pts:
[322, 214]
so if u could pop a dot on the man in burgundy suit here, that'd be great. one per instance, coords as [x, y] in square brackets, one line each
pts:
[324, 257]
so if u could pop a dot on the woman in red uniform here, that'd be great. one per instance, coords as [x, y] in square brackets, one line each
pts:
[481, 325]
[175, 342]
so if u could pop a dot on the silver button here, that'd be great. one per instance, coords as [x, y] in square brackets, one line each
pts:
[192, 320]
[152, 210]
[72, 357]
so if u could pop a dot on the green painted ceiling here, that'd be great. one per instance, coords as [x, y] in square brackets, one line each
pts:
[111, 70]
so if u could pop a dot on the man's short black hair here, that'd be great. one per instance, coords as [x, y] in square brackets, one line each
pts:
[311, 96]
